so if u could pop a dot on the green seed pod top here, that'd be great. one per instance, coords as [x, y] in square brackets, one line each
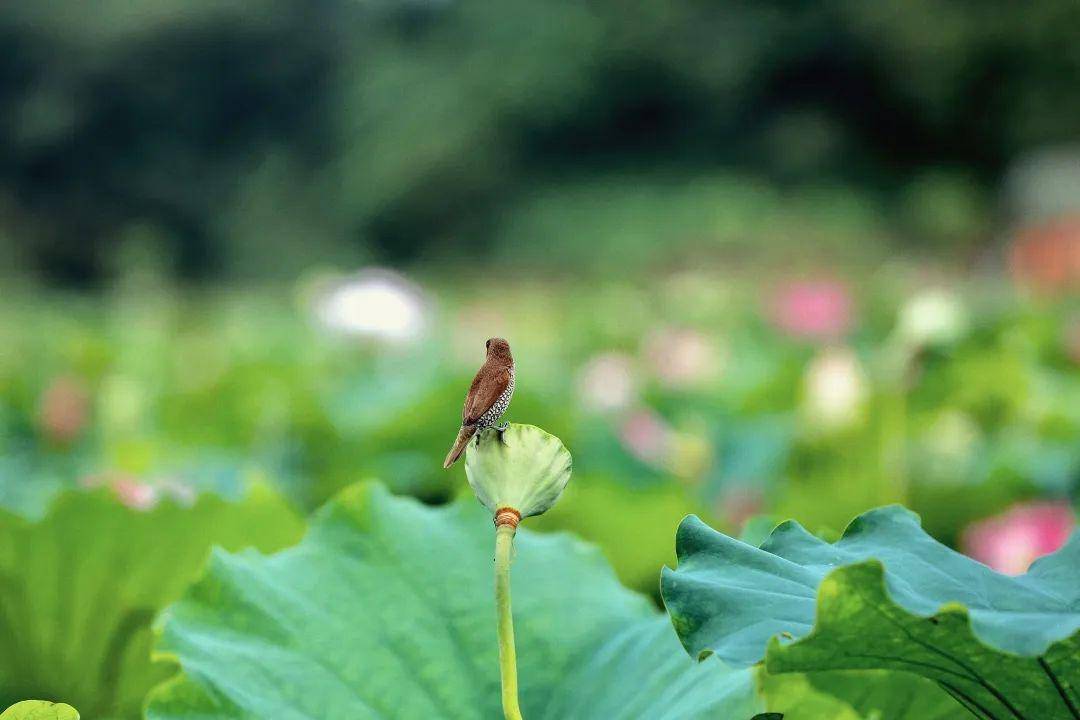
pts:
[525, 472]
[39, 710]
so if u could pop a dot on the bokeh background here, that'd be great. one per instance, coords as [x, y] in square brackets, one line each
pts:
[754, 258]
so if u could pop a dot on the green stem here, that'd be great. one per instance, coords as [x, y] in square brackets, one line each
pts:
[504, 545]
[896, 456]
[894, 429]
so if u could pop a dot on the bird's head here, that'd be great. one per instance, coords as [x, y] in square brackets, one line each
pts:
[500, 349]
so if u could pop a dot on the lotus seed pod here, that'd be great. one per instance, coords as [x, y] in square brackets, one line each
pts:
[39, 710]
[525, 472]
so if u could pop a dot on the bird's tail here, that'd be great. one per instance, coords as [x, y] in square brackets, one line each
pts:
[463, 437]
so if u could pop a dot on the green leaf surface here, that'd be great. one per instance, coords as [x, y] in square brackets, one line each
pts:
[386, 610]
[885, 596]
[857, 695]
[79, 589]
[39, 710]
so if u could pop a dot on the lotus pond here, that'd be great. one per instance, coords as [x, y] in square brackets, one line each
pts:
[812, 498]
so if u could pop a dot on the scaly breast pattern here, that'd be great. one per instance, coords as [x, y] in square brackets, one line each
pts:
[491, 417]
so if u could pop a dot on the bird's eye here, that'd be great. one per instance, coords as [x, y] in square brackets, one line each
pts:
[488, 344]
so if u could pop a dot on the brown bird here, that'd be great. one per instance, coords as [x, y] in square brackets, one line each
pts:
[489, 396]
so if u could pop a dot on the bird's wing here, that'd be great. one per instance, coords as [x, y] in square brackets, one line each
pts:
[483, 393]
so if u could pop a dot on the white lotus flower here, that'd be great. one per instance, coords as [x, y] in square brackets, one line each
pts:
[931, 318]
[835, 388]
[377, 304]
[949, 442]
[682, 358]
[608, 383]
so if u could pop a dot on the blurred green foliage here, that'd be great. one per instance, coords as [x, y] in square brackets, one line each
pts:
[254, 139]
[82, 585]
[209, 391]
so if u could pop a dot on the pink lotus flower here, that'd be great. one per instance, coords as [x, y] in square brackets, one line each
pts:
[128, 489]
[138, 494]
[134, 494]
[647, 436]
[812, 309]
[1010, 542]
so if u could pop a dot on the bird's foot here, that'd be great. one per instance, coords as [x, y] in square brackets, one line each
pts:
[500, 429]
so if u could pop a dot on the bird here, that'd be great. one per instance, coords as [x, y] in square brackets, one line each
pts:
[487, 399]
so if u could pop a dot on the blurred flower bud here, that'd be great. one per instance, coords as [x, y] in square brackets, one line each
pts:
[62, 412]
[933, 317]
[134, 494]
[526, 471]
[949, 444]
[1010, 542]
[835, 389]
[739, 503]
[690, 455]
[812, 309]
[607, 383]
[376, 304]
[648, 437]
[682, 358]
[1046, 257]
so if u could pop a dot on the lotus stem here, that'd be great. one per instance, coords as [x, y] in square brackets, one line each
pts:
[504, 545]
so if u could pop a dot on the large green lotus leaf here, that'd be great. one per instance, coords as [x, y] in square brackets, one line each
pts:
[886, 596]
[386, 610]
[857, 695]
[80, 586]
[39, 710]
